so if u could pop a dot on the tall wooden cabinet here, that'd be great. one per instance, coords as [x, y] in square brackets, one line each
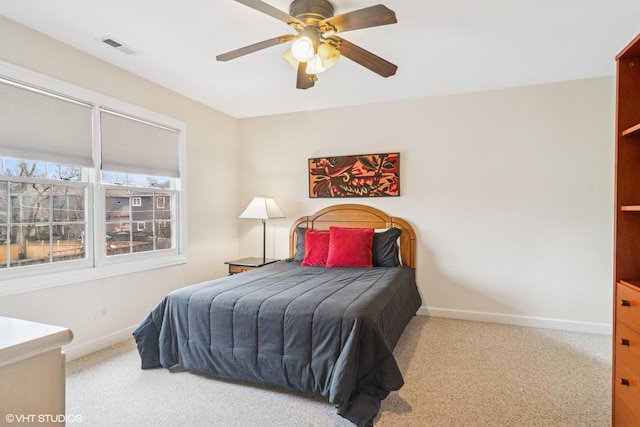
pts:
[626, 333]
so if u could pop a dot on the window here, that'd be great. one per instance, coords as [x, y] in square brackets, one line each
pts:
[78, 204]
[42, 213]
[154, 226]
[140, 167]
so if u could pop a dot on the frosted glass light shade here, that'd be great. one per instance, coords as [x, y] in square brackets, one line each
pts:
[291, 60]
[314, 65]
[302, 49]
[328, 54]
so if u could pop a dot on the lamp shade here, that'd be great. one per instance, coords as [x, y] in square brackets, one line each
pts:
[262, 208]
[328, 54]
[302, 48]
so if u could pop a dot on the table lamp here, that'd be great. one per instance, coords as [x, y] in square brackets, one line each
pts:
[263, 208]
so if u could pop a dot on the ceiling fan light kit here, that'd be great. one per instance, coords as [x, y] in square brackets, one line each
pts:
[316, 47]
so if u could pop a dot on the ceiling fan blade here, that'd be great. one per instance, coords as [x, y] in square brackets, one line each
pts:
[254, 47]
[363, 18]
[267, 9]
[365, 58]
[304, 80]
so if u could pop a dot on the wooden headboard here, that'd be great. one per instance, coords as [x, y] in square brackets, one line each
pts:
[354, 215]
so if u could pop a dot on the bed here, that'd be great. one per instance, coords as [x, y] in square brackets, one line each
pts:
[327, 329]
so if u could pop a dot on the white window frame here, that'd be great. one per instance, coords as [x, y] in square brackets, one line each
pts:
[97, 265]
[136, 201]
[52, 268]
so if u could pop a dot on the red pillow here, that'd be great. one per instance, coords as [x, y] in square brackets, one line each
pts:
[316, 248]
[350, 247]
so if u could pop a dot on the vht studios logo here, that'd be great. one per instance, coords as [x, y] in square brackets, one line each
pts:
[42, 418]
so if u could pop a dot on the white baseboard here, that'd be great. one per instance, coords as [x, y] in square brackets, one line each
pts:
[75, 351]
[510, 319]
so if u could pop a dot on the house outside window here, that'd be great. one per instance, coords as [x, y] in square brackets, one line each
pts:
[134, 223]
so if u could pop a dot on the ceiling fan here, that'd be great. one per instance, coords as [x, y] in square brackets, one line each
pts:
[316, 47]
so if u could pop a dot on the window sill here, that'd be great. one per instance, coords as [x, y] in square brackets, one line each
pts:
[29, 283]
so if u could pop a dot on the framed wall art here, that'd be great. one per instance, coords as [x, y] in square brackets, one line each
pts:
[364, 175]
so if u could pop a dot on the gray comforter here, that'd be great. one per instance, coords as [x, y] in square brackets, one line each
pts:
[328, 331]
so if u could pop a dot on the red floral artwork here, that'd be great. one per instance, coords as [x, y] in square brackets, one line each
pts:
[367, 175]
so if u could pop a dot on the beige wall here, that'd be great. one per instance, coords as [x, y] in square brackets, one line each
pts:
[104, 311]
[510, 191]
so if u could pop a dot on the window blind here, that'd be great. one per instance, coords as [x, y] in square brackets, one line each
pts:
[133, 145]
[39, 125]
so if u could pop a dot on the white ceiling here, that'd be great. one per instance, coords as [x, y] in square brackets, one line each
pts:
[440, 47]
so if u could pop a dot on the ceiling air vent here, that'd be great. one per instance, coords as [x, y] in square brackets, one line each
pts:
[119, 46]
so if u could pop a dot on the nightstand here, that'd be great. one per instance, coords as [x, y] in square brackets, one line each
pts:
[246, 264]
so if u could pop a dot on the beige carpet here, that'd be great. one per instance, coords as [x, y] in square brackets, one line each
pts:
[457, 373]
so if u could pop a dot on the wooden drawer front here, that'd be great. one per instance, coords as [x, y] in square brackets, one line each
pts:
[627, 390]
[628, 306]
[233, 269]
[628, 346]
[623, 415]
